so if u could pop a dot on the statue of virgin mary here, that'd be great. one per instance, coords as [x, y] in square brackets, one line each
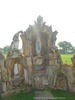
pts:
[16, 69]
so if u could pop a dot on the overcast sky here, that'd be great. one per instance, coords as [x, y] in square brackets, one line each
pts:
[16, 15]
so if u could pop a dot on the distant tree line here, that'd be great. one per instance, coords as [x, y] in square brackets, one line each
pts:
[66, 48]
[5, 49]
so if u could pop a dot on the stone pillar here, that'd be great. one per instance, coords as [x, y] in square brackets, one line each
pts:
[4, 80]
[29, 64]
[26, 75]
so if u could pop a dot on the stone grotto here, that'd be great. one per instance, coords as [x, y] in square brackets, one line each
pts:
[40, 65]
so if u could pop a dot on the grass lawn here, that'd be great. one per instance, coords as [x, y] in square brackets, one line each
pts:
[21, 96]
[5, 55]
[61, 95]
[58, 95]
[66, 58]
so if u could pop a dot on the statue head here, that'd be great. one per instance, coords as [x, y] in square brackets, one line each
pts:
[39, 20]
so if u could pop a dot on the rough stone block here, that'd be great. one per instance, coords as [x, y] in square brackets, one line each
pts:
[56, 63]
[61, 83]
[38, 83]
[50, 55]
[51, 62]
[39, 68]
[38, 60]
[29, 61]
[45, 81]
[27, 48]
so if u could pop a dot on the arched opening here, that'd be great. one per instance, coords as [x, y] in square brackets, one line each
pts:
[16, 72]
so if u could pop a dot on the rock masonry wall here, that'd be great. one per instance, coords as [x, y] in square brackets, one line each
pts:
[40, 65]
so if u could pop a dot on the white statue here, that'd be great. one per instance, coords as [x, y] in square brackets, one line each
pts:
[38, 46]
[16, 70]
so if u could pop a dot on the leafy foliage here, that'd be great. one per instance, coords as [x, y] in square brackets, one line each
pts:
[65, 47]
[5, 49]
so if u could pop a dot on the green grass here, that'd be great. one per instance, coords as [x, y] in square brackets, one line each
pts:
[66, 58]
[61, 95]
[21, 96]
[65, 95]
[5, 55]
[58, 95]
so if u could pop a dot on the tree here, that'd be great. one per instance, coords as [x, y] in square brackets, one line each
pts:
[65, 47]
[6, 49]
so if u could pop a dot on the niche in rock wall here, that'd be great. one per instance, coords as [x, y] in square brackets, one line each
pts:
[16, 76]
[17, 69]
[38, 46]
[44, 43]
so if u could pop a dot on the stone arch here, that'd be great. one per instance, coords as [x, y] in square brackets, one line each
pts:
[12, 79]
[15, 43]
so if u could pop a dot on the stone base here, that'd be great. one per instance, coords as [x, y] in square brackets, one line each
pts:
[10, 92]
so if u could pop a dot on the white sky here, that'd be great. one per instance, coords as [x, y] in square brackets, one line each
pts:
[16, 15]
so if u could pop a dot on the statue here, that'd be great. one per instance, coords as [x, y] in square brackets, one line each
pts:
[38, 46]
[16, 71]
[39, 20]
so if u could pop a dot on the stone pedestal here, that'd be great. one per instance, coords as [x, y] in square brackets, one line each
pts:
[38, 83]
[61, 83]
